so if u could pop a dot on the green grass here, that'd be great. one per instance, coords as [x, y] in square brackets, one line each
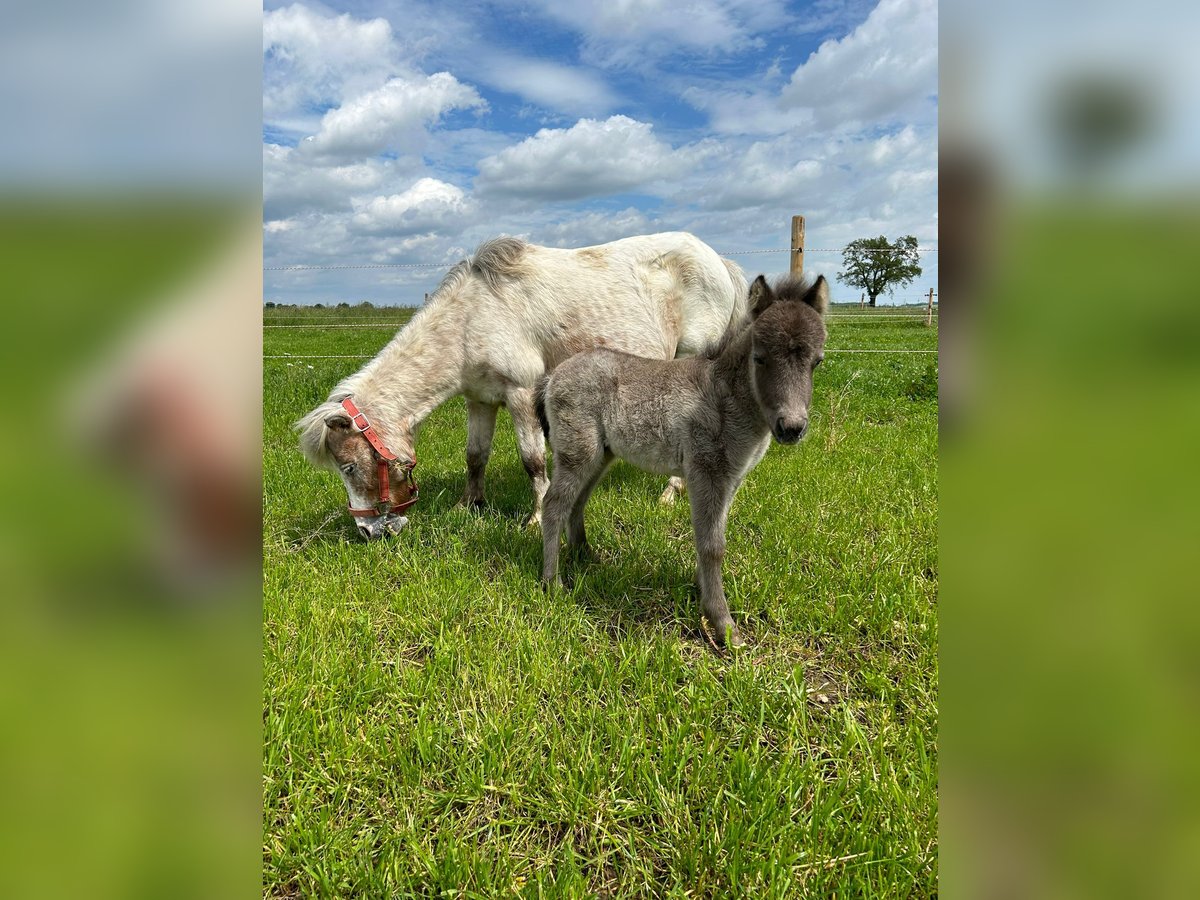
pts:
[436, 725]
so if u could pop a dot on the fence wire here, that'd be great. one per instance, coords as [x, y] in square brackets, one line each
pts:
[304, 267]
[372, 355]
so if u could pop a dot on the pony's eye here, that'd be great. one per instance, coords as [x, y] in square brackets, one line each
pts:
[348, 469]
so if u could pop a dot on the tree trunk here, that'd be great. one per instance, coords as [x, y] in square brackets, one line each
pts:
[873, 299]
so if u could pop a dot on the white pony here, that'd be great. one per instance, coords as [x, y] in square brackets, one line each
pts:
[500, 320]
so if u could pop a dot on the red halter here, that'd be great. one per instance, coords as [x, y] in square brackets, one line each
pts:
[383, 456]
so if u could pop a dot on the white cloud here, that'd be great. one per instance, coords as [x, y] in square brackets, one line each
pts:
[595, 228]
[567, 89]
[745, 112]
[589, 159]
[428, 205]
[391, 117]
[635, 33]
[293, 184]
[883, 71]
[849, 140]
[764, 176]
[315, 60]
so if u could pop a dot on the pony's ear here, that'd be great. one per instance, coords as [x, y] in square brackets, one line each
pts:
[338, 421]
[761, 297]
[817, 296]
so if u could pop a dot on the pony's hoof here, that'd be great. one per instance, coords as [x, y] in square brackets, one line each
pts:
[535, 521]
[471, 503]
[667, 498]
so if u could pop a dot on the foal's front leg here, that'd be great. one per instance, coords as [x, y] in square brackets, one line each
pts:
[531, 444]
[711, 499]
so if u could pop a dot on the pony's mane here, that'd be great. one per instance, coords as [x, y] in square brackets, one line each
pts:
[499, 259]
[314, 433]
[493, 261]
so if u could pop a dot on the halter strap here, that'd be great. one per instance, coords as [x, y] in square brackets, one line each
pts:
[383, 457]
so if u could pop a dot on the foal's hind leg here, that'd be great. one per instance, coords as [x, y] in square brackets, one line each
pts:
[576, 472]
[531, 444]
[576, 534]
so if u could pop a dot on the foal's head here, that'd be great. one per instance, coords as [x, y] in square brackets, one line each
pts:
[788, 343]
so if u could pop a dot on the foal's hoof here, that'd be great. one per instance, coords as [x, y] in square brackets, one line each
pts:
[471, 503]
[535, 521]
[583, 553]
[728, 636]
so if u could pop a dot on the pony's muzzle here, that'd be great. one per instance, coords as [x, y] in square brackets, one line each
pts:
[383, 526]
[790, 431]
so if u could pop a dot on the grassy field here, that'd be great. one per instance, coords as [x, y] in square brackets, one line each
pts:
[435, 725]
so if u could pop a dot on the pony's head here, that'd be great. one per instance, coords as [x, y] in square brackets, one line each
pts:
[788, 343]
[375, 464]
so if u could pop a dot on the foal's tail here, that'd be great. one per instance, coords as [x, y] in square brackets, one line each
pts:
[539, 402]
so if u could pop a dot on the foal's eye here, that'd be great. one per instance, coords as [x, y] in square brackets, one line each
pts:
[760, 360]
[348, 469]
[818, 361]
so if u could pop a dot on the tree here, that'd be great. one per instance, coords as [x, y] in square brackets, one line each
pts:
[875, 265]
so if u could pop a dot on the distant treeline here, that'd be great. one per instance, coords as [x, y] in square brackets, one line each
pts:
[366, 304]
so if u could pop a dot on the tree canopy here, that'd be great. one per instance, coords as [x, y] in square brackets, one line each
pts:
[877, 265]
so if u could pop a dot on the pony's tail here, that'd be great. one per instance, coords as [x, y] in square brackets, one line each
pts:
[539, 403]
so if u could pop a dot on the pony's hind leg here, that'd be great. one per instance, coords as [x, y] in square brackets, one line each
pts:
[481, 425]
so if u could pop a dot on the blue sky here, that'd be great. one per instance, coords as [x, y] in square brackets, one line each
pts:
[409, 132]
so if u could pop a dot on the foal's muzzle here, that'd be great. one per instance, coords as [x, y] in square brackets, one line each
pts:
[790, 432]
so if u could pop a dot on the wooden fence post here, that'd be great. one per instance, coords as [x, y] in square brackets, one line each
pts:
[797, 267]
[862, 299]
[929, 310]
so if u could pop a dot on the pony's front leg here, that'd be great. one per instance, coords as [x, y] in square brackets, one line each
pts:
[711, 499]
[675, 488]
[531, 444]
[481, 425]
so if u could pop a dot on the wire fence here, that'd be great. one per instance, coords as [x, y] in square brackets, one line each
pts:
[837, 318]
[869, 319]
[300, 356]
[304, 267]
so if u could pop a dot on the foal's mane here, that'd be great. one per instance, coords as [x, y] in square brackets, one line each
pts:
[787, 289]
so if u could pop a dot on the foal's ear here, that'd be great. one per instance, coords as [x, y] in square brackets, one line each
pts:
[761, 297]
[817, 296]
[338, 422]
